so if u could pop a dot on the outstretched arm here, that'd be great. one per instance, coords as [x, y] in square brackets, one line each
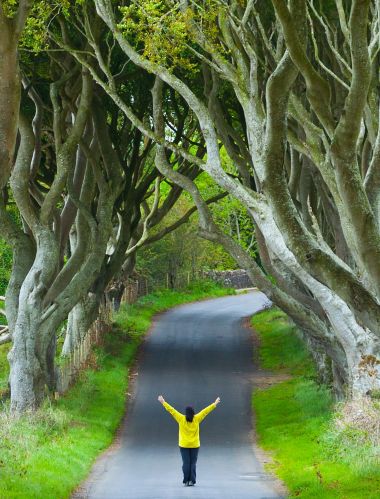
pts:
[201, 415]
[176, 415]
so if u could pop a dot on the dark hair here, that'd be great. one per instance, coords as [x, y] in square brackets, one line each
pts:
[189, 414]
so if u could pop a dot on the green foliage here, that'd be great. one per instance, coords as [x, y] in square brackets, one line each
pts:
[5, 266]
[165, 29]
[228, 213]
[294, 421]
[161, 28]
[233, 219]
[375, 394]
[35, 37]
[4, 369]
[47, 454]
[9, 7]
[34, 34]
[181, 253]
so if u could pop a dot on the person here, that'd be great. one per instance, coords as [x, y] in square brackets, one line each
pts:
[188, 440]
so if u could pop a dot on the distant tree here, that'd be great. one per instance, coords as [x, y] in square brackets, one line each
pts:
[181, 255]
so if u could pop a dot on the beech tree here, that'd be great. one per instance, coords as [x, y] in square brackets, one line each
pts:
[127, 87]
[83, 182]
[305, 144]
[288, 92]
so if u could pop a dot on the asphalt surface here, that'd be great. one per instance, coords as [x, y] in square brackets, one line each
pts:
[195, 353]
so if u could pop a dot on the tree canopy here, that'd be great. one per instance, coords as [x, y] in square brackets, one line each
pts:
[127, 105]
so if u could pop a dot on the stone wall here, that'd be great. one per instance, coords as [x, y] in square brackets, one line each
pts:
[237, 279]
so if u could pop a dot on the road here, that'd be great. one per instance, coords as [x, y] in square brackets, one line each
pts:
[195, 353]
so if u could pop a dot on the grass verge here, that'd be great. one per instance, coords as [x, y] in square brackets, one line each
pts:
[295, 422]
[47, 454]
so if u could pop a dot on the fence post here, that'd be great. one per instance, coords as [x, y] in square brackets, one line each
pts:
[77, 358]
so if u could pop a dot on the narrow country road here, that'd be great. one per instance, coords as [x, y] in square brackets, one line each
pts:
[195, 353]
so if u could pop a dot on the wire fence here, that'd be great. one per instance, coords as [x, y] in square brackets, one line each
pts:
[140, 285]
[70, 366]
[67, 372]
[134, 287]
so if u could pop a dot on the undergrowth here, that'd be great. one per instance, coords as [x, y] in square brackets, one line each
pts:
[48, 453]
[314, 453]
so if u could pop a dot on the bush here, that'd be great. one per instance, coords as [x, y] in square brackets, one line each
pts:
[5, 266]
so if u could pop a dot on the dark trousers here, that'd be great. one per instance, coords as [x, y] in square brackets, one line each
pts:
[189, 463]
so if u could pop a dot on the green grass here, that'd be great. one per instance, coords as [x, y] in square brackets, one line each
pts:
[47, 454]
[294, 421]
[281, 350]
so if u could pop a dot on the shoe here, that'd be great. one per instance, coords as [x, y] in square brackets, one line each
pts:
[191, 484]
[186, 484]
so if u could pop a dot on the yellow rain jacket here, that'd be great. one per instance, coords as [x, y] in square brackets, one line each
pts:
[189, 432]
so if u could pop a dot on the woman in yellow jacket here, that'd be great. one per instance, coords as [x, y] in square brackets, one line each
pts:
[189, 442]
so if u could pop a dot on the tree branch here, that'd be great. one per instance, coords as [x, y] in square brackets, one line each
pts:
[167, 230]
[23, 10]
[66, 151]
[318, 89]
[21, 174]
[347, 131]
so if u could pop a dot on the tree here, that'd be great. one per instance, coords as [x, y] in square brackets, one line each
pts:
[128, 88]
[305, 149]
[84, 185]
[181, 255]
